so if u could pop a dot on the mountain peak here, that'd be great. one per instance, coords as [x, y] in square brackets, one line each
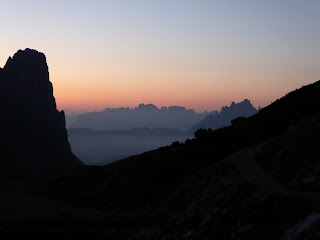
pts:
[149, 106]
[26, 82]
[176, 108]
[34, 128]
[27, 58]
[226, 115]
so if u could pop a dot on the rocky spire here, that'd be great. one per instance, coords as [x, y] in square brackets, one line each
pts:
[33, 130]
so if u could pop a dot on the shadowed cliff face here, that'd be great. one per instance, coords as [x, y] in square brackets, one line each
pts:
[33, 130]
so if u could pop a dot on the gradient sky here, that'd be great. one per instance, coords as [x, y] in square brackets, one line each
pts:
[200, 54]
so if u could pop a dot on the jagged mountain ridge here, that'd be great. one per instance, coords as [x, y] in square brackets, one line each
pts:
[226, 115]
[145, 115]
[33, 130]
[119, 143]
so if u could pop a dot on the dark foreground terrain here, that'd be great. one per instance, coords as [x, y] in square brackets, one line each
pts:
[257, 179]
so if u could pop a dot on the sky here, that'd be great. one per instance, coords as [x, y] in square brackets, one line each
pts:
[201, 54]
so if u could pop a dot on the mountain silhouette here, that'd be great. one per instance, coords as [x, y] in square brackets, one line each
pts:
[32, 129]
[115, 143]
[145, 115]
[226, 115]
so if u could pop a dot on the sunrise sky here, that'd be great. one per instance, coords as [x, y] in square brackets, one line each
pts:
[201, 54]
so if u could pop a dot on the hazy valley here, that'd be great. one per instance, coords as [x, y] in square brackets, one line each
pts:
[102, 137]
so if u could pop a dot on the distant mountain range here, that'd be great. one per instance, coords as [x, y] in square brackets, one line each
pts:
[226, 115]
[150, 116]
[145, 115]
[97, 147]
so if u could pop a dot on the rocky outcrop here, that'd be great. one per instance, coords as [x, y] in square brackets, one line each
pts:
[226, 115]
[33, 133]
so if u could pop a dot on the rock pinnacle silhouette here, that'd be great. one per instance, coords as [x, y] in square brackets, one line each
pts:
[33, 133]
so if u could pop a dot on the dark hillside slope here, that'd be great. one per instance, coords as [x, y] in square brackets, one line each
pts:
[286, 112]
[257, 179]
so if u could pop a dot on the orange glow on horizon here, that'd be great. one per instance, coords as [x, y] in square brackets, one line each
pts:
[91, 87]
[209, 96]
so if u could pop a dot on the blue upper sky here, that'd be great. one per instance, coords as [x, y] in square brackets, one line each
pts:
[201, 54]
